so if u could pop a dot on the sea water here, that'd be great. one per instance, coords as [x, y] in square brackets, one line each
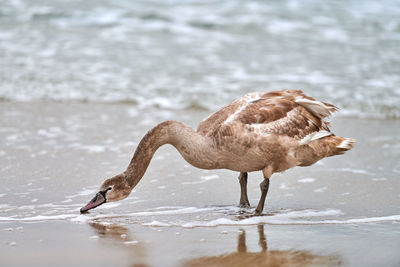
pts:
[202, 54]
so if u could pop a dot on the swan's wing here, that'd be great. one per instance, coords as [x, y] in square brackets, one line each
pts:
[218, 118]
[290, 113]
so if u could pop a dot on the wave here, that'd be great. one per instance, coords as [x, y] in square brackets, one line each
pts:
[360, 109]
[278, 221]
[272, 221]
[286, 217]
[192, 56]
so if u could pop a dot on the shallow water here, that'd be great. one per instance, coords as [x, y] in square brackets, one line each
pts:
[341, 211]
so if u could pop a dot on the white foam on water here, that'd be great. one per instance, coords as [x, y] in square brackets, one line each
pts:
[157, 224]
[209, 177]
[320, 190]
[38, 218]
[289, 218]
[285, 26]
[169, 207]
[89, 148]
[80, 218]
[94, 149]
[381, 179]
[5, 206]
[133, 242]
[333, 34]
[306, 180]
[286, 217]
[88, 217]
[356, 171]
[285, 187]
[26, 207]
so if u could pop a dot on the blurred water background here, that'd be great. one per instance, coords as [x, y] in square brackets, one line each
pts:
[202, 54]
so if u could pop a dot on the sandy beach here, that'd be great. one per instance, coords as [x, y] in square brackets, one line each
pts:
[341, 211]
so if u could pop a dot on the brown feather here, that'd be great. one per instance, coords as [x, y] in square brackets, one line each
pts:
[270, 113]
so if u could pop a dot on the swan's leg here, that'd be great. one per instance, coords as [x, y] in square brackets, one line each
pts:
[264, 190]
[244, 201]
[264, 185]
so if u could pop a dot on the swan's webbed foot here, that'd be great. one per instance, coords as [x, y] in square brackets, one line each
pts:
[257, 213]
[244, 205]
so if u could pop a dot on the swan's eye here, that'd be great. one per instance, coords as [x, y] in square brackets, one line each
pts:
[105, 191]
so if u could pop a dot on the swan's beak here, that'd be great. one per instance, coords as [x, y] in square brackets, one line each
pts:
[95, 202]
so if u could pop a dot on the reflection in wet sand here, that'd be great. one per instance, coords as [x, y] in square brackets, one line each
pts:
[118, 234]
[265, 257]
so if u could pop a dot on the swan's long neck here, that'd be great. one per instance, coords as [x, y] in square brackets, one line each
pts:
[195, 148]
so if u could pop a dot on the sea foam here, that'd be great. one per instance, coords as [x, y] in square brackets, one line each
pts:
[212, 217]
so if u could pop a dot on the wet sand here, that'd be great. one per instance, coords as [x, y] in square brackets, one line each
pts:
[53, 156]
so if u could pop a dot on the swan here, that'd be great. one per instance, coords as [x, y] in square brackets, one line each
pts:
[269, 132]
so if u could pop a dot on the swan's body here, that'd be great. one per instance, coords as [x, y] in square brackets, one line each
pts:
[268, 132]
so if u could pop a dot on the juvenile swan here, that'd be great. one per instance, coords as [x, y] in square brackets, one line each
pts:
[268, 132]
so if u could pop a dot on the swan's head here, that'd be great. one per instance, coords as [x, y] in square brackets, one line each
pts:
[113, 189]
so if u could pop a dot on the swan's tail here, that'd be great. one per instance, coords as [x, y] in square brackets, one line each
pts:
[324, 147]
[344, 145]
[332, 145]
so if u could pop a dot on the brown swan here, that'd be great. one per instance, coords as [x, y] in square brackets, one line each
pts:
[268, 132]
